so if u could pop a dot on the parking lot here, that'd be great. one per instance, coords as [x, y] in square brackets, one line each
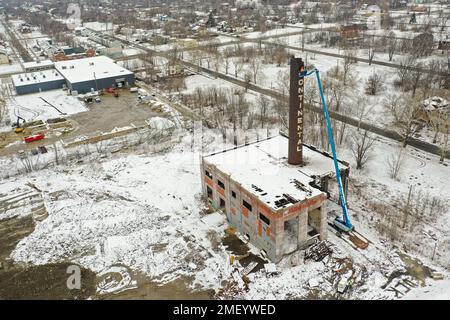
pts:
[112, 112]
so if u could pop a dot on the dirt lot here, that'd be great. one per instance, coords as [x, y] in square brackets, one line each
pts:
[11, 231]
[149, 290]
[50, 281]
[44, 282]
[110, 113]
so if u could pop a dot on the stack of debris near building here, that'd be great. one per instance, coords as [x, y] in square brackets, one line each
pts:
[274, 192]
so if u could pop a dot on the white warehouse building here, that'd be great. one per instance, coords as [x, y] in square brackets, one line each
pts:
[95, 73]
[79, 76]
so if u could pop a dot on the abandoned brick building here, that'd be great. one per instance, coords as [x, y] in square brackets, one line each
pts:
[279, 207]
[274, 192]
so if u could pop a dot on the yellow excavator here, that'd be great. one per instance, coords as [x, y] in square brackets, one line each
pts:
[18, 128]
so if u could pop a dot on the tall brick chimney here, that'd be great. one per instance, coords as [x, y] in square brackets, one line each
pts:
[296, 93]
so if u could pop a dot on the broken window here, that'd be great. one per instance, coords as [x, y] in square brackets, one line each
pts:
[233, 194]
[247, 205]
[209, 192]
[222, 203]
[264, 219]
[209, 175]
[220, 183]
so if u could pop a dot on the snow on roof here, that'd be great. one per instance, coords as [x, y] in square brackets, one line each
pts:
[34, 64]
[81, 70]
[263, 166]
[25, 79]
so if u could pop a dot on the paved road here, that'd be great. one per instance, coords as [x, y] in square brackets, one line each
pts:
[338, 55]
[425, 146]
[14, 41]
[238, 40]
[262, 41]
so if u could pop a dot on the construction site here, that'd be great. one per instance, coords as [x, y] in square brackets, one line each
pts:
[225, 161]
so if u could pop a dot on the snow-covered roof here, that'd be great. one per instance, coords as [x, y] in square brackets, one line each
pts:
[38, 64]
[80, 70]
[25, 79]
[262, 169]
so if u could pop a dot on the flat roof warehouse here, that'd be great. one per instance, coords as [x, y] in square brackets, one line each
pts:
[90, 69]
[78, 76]
[37, 77]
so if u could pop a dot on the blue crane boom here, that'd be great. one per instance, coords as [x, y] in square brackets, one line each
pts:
[344, 224]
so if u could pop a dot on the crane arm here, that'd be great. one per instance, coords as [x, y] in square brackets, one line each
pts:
[346, 221]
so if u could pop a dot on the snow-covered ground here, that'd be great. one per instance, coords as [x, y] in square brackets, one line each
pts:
[32, 107]
[140, 211]
[99, 26]
[144, 211]
[438, 290]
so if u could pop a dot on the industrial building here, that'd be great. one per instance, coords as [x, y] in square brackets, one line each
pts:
[277, 206]
[79, 76]
[92, 74]
[38, 81]
[274, 192]
[34, 66]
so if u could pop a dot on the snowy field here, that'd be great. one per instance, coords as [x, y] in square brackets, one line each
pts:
[133, 211]
[32, 107]
[99, 26]
[419, 170]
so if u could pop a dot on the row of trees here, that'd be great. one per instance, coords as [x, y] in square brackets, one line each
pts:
[229, 108]
[240, 61]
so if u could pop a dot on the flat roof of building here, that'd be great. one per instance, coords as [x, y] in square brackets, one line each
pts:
[262, 169]
[37, 64]
[80, 70]
[24, 79]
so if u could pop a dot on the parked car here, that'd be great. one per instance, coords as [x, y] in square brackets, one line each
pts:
[34, 137]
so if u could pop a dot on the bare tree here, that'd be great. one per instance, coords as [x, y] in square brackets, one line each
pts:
[371, 50]
[238, 65]
[415, 76]
[360, 108]
[374, 84]
[29, 162]
[282, 82]
[263, 106]
[391, 45]
[403, 71]
[227, 54]
[404, 112]
[217, 60]
[255, 65]
[349, 60]
[247, 79]
[361, 146]
[280, 56]
[3, 111]
[444, 142]
[394, 163]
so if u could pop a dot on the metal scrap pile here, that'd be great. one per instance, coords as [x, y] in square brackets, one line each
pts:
[319, 251]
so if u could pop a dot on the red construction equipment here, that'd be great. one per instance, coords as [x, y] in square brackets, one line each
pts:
[34, 137]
